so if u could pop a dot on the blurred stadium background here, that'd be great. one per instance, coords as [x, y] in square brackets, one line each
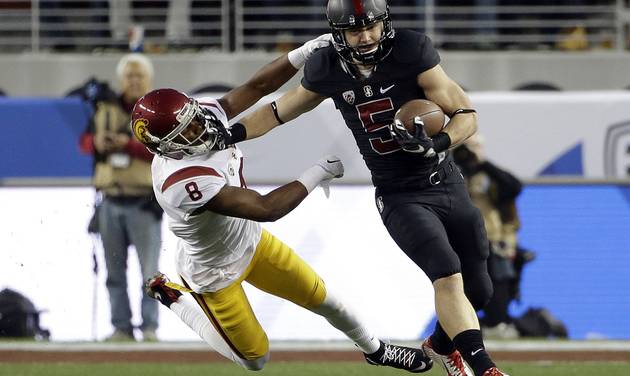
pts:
[549, 79]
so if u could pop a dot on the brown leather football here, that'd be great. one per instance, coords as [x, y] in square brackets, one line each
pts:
[431, 114]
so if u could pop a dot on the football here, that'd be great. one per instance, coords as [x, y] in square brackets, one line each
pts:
[431, 114]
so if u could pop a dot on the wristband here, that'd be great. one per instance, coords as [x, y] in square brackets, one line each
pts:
[274, 108]
[312, 177]
[238, 133]
[463, 111]
[441, 142]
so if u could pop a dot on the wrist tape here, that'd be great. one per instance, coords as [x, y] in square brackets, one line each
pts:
[312, 177]
[441, 142]
[238, 133]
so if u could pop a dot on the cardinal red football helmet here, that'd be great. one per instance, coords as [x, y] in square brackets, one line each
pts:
[172, 124]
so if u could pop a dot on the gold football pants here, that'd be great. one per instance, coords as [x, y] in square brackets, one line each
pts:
[276, 269]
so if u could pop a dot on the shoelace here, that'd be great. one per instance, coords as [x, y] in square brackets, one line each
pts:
[398, 355]
[455, 362]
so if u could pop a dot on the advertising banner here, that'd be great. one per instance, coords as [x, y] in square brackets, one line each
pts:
[583, 135]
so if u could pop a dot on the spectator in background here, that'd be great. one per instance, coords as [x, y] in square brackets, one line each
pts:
[494, 192]
[128, 214]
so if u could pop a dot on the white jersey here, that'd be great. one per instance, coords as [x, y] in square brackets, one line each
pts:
[213, 250]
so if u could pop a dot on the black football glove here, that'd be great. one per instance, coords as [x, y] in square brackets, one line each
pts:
[224, 137]
[419, 142]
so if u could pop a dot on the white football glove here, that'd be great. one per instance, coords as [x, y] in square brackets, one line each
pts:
[324, 170]
[334, 167]
[298, 57]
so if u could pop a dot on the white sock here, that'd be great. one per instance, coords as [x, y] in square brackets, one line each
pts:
[339, 317]
[365, 340]
[192, 315]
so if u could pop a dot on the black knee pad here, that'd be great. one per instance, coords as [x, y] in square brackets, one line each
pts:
[477, 281]
[478, 290]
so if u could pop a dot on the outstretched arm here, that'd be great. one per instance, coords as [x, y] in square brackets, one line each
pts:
[291, 105]
[270, 77]
[249, 204]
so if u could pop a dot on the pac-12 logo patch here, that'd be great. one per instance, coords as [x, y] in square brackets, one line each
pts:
[348, 96]
[140, 129]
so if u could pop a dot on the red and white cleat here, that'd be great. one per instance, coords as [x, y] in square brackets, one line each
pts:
[156, 288]
[453, 363]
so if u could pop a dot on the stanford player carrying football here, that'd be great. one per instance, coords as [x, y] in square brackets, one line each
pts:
[370, 71]
[198, 181]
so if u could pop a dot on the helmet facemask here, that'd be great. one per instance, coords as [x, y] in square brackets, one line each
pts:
[185, 140]
[353, 55]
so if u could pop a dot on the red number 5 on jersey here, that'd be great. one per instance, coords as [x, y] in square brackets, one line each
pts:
[384, 144]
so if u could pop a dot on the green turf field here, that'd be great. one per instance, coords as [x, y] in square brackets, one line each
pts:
[290, 369]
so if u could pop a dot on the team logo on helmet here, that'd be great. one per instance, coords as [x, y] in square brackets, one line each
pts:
[140, 129]
[348, 96]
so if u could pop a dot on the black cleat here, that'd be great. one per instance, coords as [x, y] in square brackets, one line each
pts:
[157, 289]
[401, 357]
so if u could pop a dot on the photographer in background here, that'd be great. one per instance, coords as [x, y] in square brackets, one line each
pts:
[128, 214]
[494, 192]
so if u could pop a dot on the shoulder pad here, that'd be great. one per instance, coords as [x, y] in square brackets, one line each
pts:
[319, 65]
[409, 46]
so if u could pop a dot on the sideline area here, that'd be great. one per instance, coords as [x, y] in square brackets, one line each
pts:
[166, 352]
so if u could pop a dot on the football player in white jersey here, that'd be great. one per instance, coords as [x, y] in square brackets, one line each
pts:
[216, 218]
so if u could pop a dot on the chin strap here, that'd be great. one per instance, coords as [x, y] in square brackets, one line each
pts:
[348, 69]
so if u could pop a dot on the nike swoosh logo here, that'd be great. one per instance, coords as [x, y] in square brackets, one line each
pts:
[422, 366]
[475, 352]
[329, 161]
[383, 91]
